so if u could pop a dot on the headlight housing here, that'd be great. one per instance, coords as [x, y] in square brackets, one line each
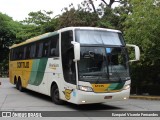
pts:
[85, 88]
[126, 87]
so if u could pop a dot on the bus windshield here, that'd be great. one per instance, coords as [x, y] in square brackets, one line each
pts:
[102, 65]
[98, 37]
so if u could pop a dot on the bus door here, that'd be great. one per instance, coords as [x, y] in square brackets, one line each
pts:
[68, 65]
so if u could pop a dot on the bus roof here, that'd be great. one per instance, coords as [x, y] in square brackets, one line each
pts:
[40, 37]
[88, 28]
[60, 30]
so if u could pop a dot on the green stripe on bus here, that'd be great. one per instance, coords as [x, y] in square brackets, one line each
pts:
[34, 72]
[119, 86]
[113, 86]
[38, 70]
[116, 86]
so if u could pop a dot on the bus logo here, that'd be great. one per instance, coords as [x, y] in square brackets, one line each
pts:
[22, 64]
[67, 93]
[99, 85]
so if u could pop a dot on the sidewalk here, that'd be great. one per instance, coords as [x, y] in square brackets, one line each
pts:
[144, 97]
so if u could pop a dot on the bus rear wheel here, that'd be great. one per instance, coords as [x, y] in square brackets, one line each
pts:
[19, 86]
[55, 95]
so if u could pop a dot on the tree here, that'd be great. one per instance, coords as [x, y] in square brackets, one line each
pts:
[38, 18]
[107, 3]
[142, 27]
[40, 22]
[8, 30]
[147, 37]
[78, 17]
[26, 32]
[88, 15]
[111, 2]
[109, 19]
[122, 11]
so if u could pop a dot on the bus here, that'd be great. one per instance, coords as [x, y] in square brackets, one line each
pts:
[80, 65]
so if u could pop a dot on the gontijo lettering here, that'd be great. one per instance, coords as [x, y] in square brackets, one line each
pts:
[22, 64]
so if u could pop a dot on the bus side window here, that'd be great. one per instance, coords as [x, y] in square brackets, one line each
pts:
[39, 48]
[14, 54]
[33, 51]
[28, 52]
[24, 55]
[54, 46]
[45, 48]
[20, 52]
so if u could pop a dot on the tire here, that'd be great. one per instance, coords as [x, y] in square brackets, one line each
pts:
[55, 95]
[17, 85]
[20, 86]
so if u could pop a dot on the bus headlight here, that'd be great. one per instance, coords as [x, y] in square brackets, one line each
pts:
[126, 87]
[85, 88]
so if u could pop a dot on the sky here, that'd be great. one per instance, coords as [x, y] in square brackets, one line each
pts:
[19, 9]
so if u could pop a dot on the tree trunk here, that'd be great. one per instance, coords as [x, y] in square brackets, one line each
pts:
[93, 6]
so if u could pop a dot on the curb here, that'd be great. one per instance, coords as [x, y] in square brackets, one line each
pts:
[145, 97]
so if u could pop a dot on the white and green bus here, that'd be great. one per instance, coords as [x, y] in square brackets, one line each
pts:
[80, 65]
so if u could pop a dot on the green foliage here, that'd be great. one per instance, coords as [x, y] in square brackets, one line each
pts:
[37, 23]
[26, 32]
[38, 18]
[74, 17]
[8, 30]
[109, 19]
[142, 27]
[123, 10]
[88, 15]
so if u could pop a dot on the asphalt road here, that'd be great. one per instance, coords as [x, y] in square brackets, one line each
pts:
[13, 100]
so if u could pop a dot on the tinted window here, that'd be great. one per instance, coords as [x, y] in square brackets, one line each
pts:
[39, 49]
[48, 47]
[28, 50]
[54, 46]
[33, 51]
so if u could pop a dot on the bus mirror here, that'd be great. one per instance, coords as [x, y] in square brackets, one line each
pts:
[76, 50]
[137, 52]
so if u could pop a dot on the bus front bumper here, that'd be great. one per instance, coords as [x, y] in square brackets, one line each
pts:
[91, 97]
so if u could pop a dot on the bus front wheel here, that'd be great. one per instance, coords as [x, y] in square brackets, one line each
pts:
[55, 95]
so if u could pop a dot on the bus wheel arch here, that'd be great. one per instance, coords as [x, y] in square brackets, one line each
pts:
[55, 94]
